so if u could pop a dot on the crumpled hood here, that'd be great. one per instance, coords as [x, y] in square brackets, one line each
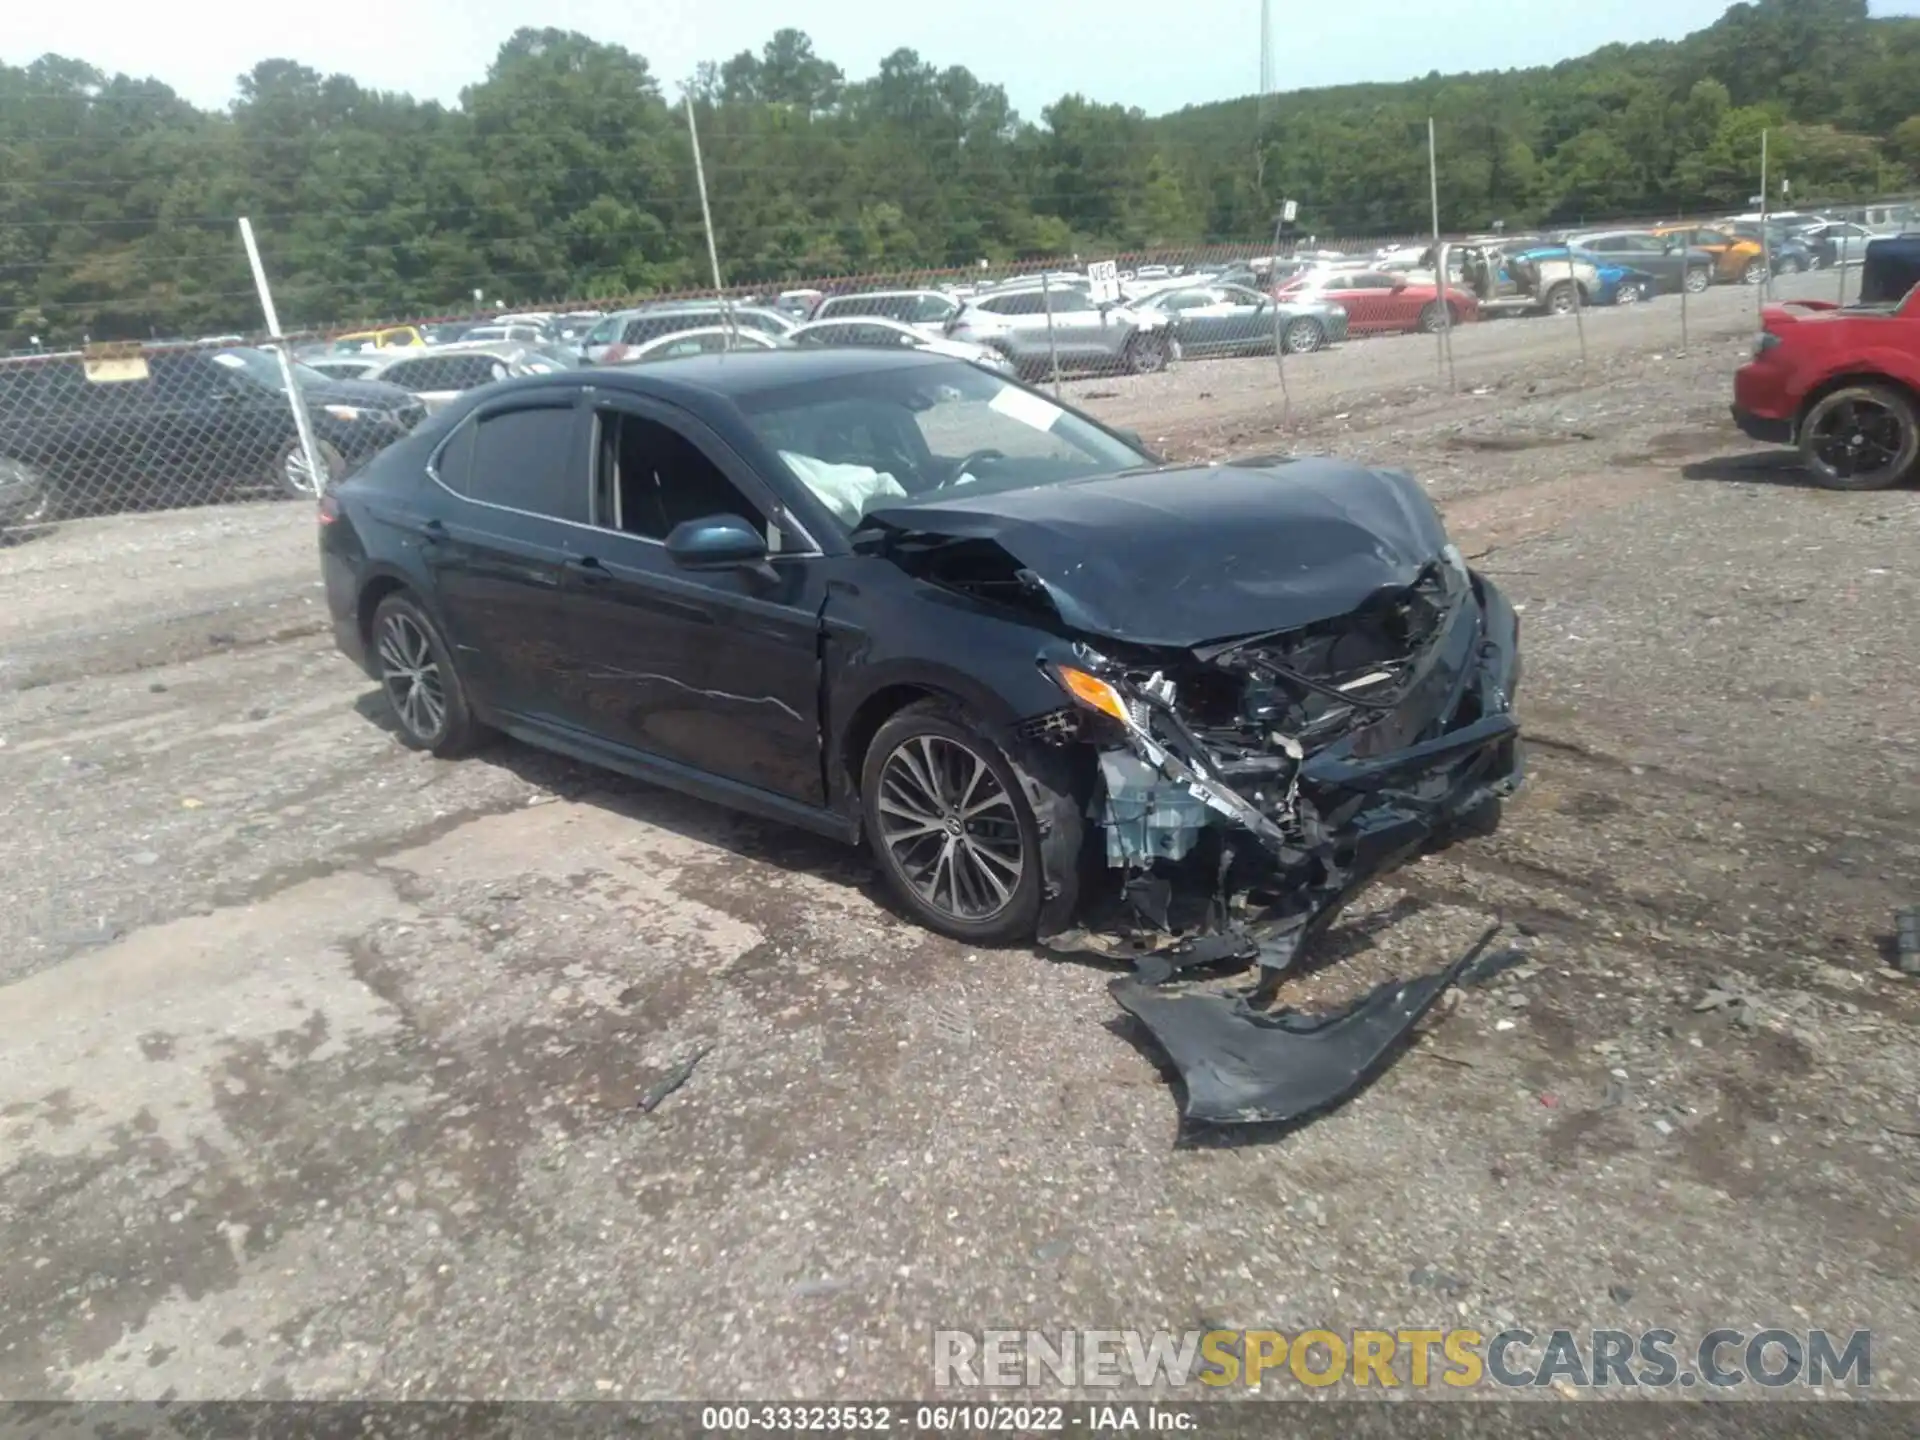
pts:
[1181, 556]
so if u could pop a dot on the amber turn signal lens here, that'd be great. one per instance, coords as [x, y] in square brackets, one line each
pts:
[1094, 693]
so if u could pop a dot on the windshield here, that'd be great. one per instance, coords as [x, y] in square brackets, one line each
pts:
[264, 369]
[927, 433]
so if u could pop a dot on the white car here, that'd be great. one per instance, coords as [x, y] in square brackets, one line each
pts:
[707, 340]
[871, 332]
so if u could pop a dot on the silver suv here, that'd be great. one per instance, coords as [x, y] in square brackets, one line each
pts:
[1087, 335]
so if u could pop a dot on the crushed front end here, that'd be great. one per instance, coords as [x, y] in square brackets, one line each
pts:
[1249, 787]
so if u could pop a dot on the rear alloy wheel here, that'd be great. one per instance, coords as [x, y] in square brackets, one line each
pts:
[1561, 299]
[1629, 293]
[1303, 337]
[1146, 354]
[416, 673]
[1754, 272]
[1433, 317]
[293, 475]
[1861, 437]
[951, 827]
[1698, 279]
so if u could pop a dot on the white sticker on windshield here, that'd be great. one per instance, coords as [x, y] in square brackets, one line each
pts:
[1026, 407]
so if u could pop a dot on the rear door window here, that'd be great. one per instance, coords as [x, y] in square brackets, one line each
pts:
[524, 460]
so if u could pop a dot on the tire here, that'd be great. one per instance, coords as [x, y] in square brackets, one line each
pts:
[290, 467]
[1861, 437]
[1697, 280]
[1815, 262]
[912, 833]
[1302, 337]
[1433, 316]
[1562, 299]
[1146, 354]
[1629, 293]
[1797, 266]
[431, 710]
[39, 506]
[1754, 272]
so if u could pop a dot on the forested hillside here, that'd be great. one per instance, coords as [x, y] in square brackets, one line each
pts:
[566, 172]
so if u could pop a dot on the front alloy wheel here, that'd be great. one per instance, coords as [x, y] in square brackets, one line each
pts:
[1861, 437]
[1302, 337]
[952, 826]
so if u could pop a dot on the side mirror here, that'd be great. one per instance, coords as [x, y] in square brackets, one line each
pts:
[716, 542]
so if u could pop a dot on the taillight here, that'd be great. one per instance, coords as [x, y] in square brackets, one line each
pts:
[328, 510]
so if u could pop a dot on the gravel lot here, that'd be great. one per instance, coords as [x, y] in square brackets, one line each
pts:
[324, 1059]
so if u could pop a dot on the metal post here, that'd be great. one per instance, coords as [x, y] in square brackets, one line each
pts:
[1279, 344]
[296, 399]
[1840, 269]
[1765, 287]
[1579, 308]
[1443, 351]
[706, 219]
[1053, 353]
[1686, 269]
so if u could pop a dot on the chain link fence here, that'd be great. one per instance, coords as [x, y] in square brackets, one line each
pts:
[124, 425]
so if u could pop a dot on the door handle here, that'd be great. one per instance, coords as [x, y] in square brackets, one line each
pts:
[589, 571]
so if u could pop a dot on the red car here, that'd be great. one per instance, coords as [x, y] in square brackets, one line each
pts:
[1379, 302]
[1842, 384]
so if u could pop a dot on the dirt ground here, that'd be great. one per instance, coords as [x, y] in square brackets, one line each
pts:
[325, 1060]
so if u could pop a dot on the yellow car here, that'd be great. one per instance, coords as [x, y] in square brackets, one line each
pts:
[394, 337]
[1735, 261]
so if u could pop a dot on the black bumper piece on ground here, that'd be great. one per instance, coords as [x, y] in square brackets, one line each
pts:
[1759, 427]
[1244, 1066]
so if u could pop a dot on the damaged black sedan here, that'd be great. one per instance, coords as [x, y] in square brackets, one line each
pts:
[1175, 715]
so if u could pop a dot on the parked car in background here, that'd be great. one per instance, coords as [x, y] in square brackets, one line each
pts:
[1032, 326]
[871, 332]
[1841, 383]
[706, 340]
[1378, 303]
[1673, 264]
[172, 427]
[1236, 320]
[1616, 284]
[1735, 261]
[438, 375]
[515, 334]
[928, 309]
[613, 338]
[1788, 252]
[1839, 242]
[1521, 274]
[344, 367]
[356, 341]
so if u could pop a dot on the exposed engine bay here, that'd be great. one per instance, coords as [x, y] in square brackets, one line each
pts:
[1247, 787]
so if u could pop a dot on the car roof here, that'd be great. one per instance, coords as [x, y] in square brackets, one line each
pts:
[748, 372]
[842, 322]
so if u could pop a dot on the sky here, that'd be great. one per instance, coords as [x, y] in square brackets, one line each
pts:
[1149, 53]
